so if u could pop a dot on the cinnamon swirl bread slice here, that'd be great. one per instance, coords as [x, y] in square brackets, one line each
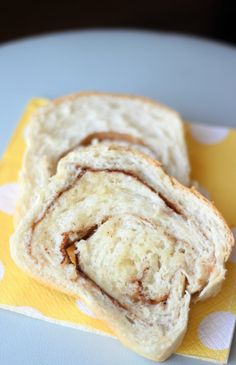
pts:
[133, 243]
[85, 119]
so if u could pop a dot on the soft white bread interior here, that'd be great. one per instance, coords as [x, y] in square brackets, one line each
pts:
[114, 229]
[91, 118]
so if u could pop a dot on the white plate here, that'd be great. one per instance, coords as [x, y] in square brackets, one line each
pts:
[196, 77]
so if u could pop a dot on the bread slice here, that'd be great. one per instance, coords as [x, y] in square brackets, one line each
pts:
[89, 118]
[115, 230]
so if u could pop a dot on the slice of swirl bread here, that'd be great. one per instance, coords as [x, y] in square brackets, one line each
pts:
[115, 230]
[84, 119]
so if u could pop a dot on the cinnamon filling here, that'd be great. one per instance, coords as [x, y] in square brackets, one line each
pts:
[107, 136]
[111, 136]
[67, 242]
[84, 169]
[170, 204]
[140, 296]
[72, 256]
[58, 195]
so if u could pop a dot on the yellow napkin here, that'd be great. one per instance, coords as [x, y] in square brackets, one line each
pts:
[212, 153]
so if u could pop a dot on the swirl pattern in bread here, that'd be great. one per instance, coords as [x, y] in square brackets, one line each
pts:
[114, 229]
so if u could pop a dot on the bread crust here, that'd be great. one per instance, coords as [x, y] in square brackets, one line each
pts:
[75, 95]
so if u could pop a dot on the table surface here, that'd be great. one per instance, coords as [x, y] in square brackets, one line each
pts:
[194, 76]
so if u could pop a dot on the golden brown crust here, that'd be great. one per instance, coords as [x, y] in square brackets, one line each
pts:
[216, 211]
[74, 96]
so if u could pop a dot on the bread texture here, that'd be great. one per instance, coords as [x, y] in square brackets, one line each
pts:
[114, 229]
[90, 118]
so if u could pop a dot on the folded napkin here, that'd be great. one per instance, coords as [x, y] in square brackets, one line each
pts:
[212, 152]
